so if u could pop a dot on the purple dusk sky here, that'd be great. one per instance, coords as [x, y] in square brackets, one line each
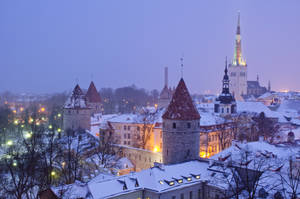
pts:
[45, 45]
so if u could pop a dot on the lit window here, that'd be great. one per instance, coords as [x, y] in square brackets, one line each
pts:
[161, 182]
[180, 181]
[189, 179]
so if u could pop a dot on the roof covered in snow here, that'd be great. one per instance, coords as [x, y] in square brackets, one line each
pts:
[77, 100]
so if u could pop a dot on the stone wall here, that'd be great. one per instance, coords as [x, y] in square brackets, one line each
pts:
[142, 159]
[77, 118]
[180, 142]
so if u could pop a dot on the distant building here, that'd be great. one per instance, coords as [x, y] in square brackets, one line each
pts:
[79, 108]
[255, 89]
[166, 93]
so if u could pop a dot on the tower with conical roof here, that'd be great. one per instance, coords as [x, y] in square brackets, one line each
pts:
[225, 104]
[93, 99]
[238, 68]
[76, 112]
[181, 123]
[166, 93]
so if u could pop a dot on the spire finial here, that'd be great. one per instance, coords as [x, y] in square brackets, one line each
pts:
[92, 76]
[238, 30]
[226, 70]
[181, 61]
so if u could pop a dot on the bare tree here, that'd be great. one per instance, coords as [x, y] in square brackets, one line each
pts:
[290, 179]
[147, 120]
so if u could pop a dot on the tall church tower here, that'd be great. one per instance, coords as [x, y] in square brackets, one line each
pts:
[181, 128]
[238, 68]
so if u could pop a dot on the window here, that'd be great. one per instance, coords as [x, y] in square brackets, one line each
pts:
[233, 74]
[128, 136]
[227, 110]
[138, 128]
[173, 197]
[128, 142]
[191, 195]
[125, 142]
[124, 136]
[182, 196]
[188, 153]
[243, 74]
[128, 128]
[125, 128]
[222, 110]
[174, 125]
[189, 125]
[199, 193]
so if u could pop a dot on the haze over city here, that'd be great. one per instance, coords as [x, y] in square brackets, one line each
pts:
[46, 45]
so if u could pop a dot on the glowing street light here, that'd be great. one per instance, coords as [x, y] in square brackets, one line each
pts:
[156, 149]
[59, 130]
[58, 115]
[50, 126]
[16, 122]
[14, 164]
[28, 135]
[9, 143]
[53, 173]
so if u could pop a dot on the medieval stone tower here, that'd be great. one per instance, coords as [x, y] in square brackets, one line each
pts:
[181, 123]
[238, 68]
[76, 114]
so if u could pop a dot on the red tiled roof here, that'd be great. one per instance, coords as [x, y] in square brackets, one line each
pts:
[92, 94]
[181, 106]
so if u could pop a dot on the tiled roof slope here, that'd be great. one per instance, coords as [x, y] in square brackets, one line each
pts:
[92, 94]
[181, 106]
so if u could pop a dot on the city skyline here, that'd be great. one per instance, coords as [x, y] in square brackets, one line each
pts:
[46, 46]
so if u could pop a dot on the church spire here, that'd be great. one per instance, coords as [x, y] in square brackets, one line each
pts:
[225, 89]
[238, 59]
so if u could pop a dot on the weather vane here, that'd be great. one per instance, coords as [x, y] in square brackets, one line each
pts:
[181, 60]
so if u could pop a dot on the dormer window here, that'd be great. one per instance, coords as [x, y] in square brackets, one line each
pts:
[170, 183]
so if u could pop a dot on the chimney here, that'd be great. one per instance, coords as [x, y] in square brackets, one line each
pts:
[166, 77]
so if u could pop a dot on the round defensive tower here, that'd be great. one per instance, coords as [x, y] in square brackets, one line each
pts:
[181, 123]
